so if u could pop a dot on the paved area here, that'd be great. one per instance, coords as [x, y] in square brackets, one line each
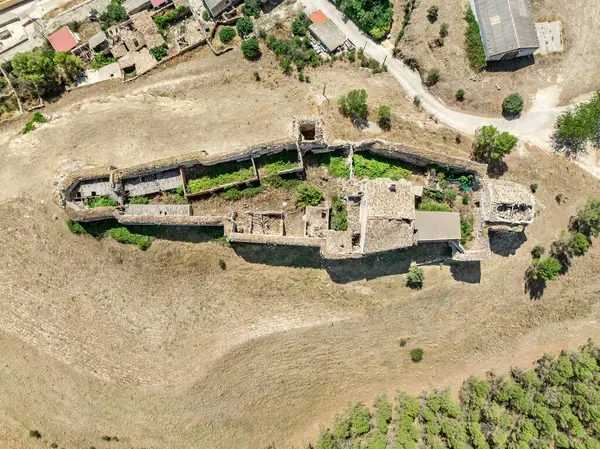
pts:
[549, 37]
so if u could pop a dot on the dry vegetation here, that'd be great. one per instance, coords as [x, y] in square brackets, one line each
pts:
[563, 76]
[164, 348]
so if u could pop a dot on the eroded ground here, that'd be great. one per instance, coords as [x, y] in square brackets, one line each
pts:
[164, 349]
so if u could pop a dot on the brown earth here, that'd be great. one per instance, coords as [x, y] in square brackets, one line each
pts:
[164, 349]
[573, 73]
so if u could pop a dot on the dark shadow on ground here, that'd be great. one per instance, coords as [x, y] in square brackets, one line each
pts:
[535, 287]
[469, 272]
[496, 169]
[506, 243]
[343, 270]
[510, 65]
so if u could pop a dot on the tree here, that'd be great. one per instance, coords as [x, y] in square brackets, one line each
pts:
[300, 25]
[416, 355]
[545, 269]
[576, 127]
[115, 13]
[226, 34]
[244, 26]
[158, 52]
[432, 13]
[444, 30]
[373, 17]
[68, 65]
[579, 244]
[491, 145]
[415, 277]
[252, 8]
[587, 220]
[354, 104]
[36, 70]
[433, 76]
[250, 48]
[513, 105]
[460, 95]
[384, 117]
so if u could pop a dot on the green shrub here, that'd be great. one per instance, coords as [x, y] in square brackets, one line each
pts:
[466, 198]
[433, 76]
[444, 30]
[251, 49]
[533, 188]
[375, 18]
[473, 43]
[352, 55]
[431, 206]
[252, 8]
[75, 227]
[339, 214]
[220, 175]
[35, 434]
[101, 60]
[587, 220]
[416, 355]
[491, 145]
[286, 66]
[159, 52]
[460, 95]
[354, 104]
[466, 230]
[432, 13]
[579, 244]
[538, 251]
[300, 25]
[513, 104]
[244, 26]
[30, 125]
[222, 264]
[206, 15]
[256, 76]
[102, 201]
[577, 126]
[384, 118]
[545, 269]
[123, 235]
[298, 50]
[279, 182]
[139, 200]
[415, 277]
[226, 34]
[166, 20]
[308, 196]
[370, 166]
[236, 194]
[115, 13]
[417, 101]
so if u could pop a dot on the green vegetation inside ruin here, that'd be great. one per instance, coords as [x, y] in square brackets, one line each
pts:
[221, 174]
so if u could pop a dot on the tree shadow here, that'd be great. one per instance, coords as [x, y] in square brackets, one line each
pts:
[468, 272]
[506, 243]
[535, 287]
[496, 169]
[510, 65]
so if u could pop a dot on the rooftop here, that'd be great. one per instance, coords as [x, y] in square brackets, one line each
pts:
[506, 25]
[63, 39]
[97, 39]
[437, 226]
[329, 34]
[382, 234]
[318, 17]
[508, 202]
[390, 199]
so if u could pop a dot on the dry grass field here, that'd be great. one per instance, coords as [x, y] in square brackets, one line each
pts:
[554, 79]
[165, 350]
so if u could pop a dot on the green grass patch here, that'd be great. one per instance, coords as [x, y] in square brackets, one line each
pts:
[338, 167]
[378, 167]
[308, 196]
[432, 206]
[101, 60]
[139, 200]
[281, 182]
[221, 174]
[172, 17]
[276, 163]
[235, 193]
[123, 235]
[102, 201]
[339, 214]
[75, 227]
[30, 125]
[473, 43]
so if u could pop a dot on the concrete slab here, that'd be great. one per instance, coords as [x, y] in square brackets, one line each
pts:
[549, 37]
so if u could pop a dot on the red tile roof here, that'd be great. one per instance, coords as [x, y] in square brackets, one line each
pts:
[318, 17]
[63, 39]
[156, 3]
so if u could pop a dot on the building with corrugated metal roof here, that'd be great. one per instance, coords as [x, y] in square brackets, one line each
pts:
[507, 28]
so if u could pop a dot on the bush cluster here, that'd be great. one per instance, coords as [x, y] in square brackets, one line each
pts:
[123, 235]
[371, 166]
[244, 26]
[513, 104]
[354, 104]
[308, 196]
[373, 17]
[297, 50]
[251, 49]
[556, 405]
[30, 125]
[491, 145]
[159, 52]
[473, 43]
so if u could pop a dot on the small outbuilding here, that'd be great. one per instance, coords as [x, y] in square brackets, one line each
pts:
[135, 6]
[326, 32]
[217, 7]
[63, 39]
[98, 42]
[507, 28]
